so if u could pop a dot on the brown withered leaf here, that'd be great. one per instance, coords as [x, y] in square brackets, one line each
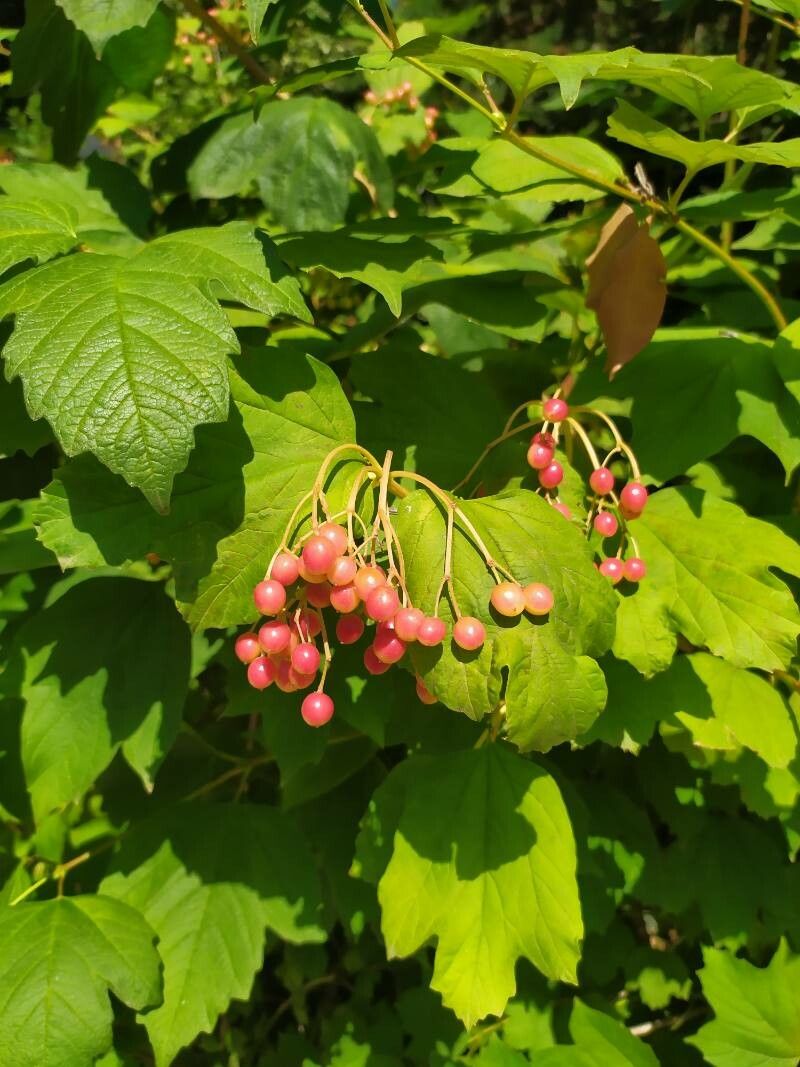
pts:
[627, 286]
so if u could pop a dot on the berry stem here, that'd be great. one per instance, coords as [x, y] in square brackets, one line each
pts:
[618, 441]
[583, 437]
[505, 436]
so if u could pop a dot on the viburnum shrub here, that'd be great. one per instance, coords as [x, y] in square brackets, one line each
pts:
[425, 374]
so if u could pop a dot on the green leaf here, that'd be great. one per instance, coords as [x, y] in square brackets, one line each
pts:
[210, 879]
[61, 958]
[101, 20]
[757, 1010]
[492, 877]
[256, 10]
[506, 168]
[137, 56]
[18, 432]
[122, 360]
[34, 229]
[554, 689]
[709, 579]
[302, 153]
[600, 1041]
[104, 667]
[19, 548]
[722, 84]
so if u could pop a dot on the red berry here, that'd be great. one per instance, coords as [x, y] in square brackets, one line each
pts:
[344, 599]
[308, 577]
[425, 694]
[247, 648]
[305, 659]
[317, 709]
[274, 636]
[555, 409]
[538, 598]
[285, 569]
[562, 509]
[349, 629]
[469, 633]
[319, 596]
[343, 571]
[308, 624]
[301, 681]
[372, 664]
[406, 623]
[508, 599]
[545, 439]
[605, 522]
[382, 603]
[431, 631]
[318, 554]
[261, 673]
[388, 647]
[635, 569]
[283, 678]
[633, 498]
[601, 480]
[551, 476]
[367, 579]
[270, 597]
[336, 534]
[539, 456]
[612, 569]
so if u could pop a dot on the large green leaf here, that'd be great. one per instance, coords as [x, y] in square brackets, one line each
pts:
[210, 879]
[722, 84]
[302, 153]
[34, 229]
[709, 578]
[757, 1010]
[104, 667]
[122, 360]
[101, 20]
[554, 688]
[491, 877]
[600, 1041]
[505, 167]
[60, 960]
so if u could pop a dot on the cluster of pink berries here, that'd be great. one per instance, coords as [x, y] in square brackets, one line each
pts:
[404, 93]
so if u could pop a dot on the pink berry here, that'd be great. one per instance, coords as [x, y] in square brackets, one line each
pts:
[317, 709]
[538, 598]
[343, 571]
[562, 509]
[635, 569]
[308, 624]
[318, 596]
[633, 498]
[367, 579]
[372, 664]
[551, 476]
[508, 599]
[247, 648]
[555, 409]
[469, 633]
[612, 569]
[270, 597]
[406, 623]
[305, 659]
[344, 599]
[605, 522]
[301, 681]
[308, 577]
[388, 647]
[318, 554]
[425, 694]
[539, 456]
[283, 677]
[336, 534]
[261, 672]
[431, 631]
[601, 480]
[274, 636]
[382, 603]
[285, 569]
[349, 629]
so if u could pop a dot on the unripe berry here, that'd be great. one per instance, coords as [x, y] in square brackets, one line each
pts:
[539, 456]
[336, 534]
[344, 599]
[318, 554]
[382, 603]
[285, 569]
[317, 709]
[538, 598]
[633, 498]
[274, 637]
[612, 569]
[367, 579]
[406, 623]
[551, 476]
[634, 569]
[508, 599]
[601, 480]
[261, 673]
[388, 647]
[605, 523]
[269, 596]
[424, 693]
[372, 664]
[247, 648]
[555, 409]
[305, 659]
[431, 631]
[343, 571]
[349, 629]
[469, 633]
[318, 596]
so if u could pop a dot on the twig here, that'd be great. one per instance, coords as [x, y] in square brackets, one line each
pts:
[226, 38]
